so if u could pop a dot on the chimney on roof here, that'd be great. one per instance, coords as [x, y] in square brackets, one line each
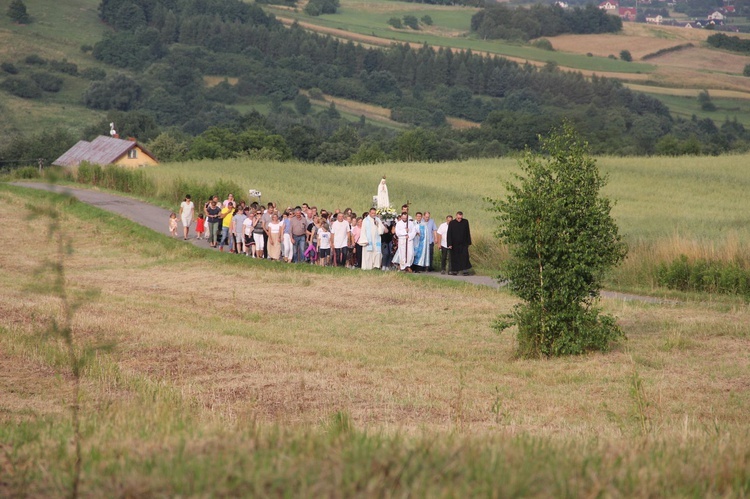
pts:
[132, 139]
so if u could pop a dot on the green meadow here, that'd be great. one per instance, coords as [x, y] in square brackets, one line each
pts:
[656, 198]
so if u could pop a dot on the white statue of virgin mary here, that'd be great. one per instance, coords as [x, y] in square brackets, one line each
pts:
[383, 201]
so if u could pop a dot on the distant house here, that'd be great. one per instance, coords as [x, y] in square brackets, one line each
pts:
[655, 20]
[694, 24]
[715, 16]
[610, 7]
[627, 13]
[561, 4]
[107, 151]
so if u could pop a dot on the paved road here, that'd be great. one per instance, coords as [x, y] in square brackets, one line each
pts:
[156, 218]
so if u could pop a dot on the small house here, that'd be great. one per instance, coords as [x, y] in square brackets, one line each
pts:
[107, 151]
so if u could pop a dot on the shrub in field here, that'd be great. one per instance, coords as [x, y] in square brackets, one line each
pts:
[562, 239]
[9, 68]
[18, 13]
[35, 60]
[93, 74]
[626, 56]
[23, 87]
[47, 81]
[64, 67]
[543, 43]
[395, 22]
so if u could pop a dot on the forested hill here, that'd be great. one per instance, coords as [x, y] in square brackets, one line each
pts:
[165, 49]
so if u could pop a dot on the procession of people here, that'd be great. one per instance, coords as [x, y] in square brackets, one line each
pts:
[377, 239]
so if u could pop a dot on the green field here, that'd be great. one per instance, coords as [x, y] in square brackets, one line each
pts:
[209, 374]
[656, 197]
[371, 19]
[686, 107]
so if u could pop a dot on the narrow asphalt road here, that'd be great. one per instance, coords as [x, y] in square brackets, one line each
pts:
[156, 218]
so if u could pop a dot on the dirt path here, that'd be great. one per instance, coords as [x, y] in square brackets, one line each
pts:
[155, 218]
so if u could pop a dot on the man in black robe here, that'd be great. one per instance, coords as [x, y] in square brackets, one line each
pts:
[459, 240]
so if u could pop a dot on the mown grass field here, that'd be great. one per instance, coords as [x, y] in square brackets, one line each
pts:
[229, 377]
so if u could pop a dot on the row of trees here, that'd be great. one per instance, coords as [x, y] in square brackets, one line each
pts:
[513, 102]
[501, 21]
[726, 42]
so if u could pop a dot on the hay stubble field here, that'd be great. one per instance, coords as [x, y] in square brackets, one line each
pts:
[235, 377]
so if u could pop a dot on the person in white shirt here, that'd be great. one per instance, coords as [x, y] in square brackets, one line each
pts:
[369, 242]
[406, 232]
[187, 212]
[442, 240]
[341, 231]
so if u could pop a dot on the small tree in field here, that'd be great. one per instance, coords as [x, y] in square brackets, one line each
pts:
[17, 12]
[562, 240]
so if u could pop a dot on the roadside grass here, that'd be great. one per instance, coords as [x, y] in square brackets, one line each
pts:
[234, 377]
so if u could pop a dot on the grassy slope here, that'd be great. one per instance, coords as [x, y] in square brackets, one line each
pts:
[230, 377]
[57, 32]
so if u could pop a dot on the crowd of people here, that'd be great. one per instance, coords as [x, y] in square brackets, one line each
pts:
[302, 234]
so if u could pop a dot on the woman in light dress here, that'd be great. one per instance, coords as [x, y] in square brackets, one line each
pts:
[274, 231]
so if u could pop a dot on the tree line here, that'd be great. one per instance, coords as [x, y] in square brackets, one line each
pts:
[503, 22]
[168, 47]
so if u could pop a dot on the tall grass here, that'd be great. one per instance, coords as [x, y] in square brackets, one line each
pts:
[665, 207]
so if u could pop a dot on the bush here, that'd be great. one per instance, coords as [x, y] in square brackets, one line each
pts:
[9, 68]
[35, 60]
[746, 71]
[47, 81]
[23, 87]
[426, 20]
[626, 56]
[93, 74]
[411, 21]
[543, 43]
[395, 22]
[64, 67]
[562, 239]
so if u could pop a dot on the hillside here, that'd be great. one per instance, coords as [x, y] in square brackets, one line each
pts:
[699, 67]
[186, 71]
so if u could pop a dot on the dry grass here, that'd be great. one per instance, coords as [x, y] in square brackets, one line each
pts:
[208, 348]
[251, 343]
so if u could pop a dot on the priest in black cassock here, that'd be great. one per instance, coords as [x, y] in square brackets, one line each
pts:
[459, 240]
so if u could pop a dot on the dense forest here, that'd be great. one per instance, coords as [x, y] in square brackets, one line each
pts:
[503, 22]
[161, 50]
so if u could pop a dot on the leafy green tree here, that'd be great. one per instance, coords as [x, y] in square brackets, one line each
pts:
[426, 20]
[302, 104]
[23, 87]
[626, 56]
[411, 21]
[704, 99]
[17, 12]
[395, 22]
[562, 240]
[746, 71]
